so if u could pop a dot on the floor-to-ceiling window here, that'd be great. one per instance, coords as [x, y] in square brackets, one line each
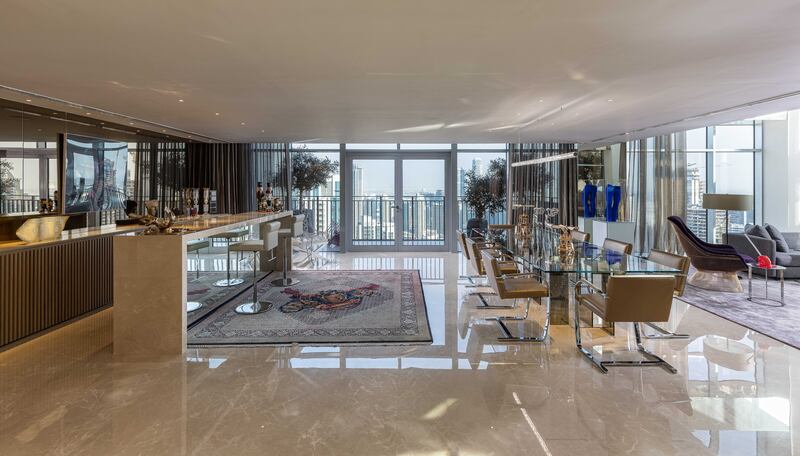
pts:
[323, 202]
[477, 158]
[723, 159]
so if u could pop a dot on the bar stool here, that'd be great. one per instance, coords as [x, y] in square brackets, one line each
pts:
[287, 234]
[228, 236]
[196, 246]
[267, 244]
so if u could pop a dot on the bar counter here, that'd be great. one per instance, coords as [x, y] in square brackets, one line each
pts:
[150, 283]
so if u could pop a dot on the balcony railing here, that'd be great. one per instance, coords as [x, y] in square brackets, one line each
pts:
[424, 217]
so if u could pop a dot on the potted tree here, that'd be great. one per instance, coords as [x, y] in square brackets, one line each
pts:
[310, 171]
[485, 193]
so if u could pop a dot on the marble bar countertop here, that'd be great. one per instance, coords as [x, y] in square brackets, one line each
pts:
[204, 226]
[70, 236]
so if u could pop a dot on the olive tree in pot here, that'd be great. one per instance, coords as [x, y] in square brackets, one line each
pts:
[310, 171]
[485, 194]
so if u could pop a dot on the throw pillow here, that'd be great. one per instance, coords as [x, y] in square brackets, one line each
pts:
[758, 231]
[780, 242]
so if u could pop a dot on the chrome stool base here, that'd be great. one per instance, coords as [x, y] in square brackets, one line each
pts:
[285, 282]
[251, 308]
[228, 282]
[191, 306]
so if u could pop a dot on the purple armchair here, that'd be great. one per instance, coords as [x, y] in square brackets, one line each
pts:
[716, 264]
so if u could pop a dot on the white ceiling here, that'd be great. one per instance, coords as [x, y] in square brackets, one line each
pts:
[410, 70]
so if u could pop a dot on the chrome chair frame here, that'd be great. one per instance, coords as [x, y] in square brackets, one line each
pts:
[651, 358]
[482, 244]
[502, 319]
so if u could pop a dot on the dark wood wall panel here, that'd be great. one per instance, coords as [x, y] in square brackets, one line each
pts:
[42, 287]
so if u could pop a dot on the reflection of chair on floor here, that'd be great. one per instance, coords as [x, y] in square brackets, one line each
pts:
[516, 286]
[228, 236]
[472, 251]
[269, 232]
[196, 246]
[623, 303]
[717, 264]
[680, 263]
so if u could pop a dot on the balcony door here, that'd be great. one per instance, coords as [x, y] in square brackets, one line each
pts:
[398, 201]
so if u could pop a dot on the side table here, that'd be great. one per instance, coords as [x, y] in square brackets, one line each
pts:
[750, 267]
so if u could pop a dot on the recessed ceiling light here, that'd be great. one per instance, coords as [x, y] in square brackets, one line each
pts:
[242, 123]
[130, 123]
[88, 113]
[163, 131]
[627, 133]
[180, 100]
[262, 131]
[216, 113]
[28, 100]
[540, 100]
[609, 100]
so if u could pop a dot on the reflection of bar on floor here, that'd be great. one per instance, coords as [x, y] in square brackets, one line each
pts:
[267, 243]
[196, 247]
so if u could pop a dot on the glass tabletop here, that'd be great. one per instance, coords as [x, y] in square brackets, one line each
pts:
[541, 253]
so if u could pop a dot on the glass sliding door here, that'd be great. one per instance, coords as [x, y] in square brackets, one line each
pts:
[424, 193]
[398, 201]
[374, 204]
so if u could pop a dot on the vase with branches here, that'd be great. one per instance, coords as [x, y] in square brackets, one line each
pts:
[485, 193]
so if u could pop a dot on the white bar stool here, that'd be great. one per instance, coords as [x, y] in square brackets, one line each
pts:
[267, 244]
[287, 234]
[229, 236]
[196, 246]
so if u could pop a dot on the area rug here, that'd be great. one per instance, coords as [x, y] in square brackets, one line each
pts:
[767, 316]
[325, 307]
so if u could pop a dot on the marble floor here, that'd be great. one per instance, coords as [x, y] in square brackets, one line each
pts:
[466, 394]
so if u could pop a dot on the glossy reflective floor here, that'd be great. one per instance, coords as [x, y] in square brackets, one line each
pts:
[466, 394]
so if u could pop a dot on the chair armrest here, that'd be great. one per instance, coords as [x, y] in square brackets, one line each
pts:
[588, 284]
[740, 243]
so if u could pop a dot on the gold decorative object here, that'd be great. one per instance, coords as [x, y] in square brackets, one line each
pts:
[161, 225]
[277, 204]
[523, 229]
[565, 246]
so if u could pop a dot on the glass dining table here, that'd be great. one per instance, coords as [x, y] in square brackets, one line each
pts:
[540, 254]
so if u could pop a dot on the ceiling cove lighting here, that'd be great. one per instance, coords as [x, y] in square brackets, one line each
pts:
[551, 158]
[152, 126]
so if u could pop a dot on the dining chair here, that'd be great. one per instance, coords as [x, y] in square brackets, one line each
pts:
[617, 246]
[628, 299]
[681, 263]
[475, 248]
[516, 286]
[580, 236]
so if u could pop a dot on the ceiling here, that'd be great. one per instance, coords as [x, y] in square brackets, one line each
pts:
[411, 70]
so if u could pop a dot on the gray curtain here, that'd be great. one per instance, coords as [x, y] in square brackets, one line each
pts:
[226, 168]
[549, 185]
[160, 173]
[656, 188]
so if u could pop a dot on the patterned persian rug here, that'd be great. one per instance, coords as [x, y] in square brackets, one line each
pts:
[326, 307]
[767, 316]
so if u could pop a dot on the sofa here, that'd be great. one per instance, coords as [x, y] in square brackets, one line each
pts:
[782, 248]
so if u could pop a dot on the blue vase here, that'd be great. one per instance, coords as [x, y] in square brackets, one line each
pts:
[589, 200]
[613, 195]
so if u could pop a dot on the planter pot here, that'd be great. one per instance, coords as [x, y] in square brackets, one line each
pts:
[476, 227]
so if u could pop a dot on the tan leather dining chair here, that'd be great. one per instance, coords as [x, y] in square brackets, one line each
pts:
[516, 286]
[471, 249]
[629, 298]
[680, 263]
[580, 236]
[617, 246]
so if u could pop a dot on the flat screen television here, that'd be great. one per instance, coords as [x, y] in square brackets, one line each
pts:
[96, 171]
